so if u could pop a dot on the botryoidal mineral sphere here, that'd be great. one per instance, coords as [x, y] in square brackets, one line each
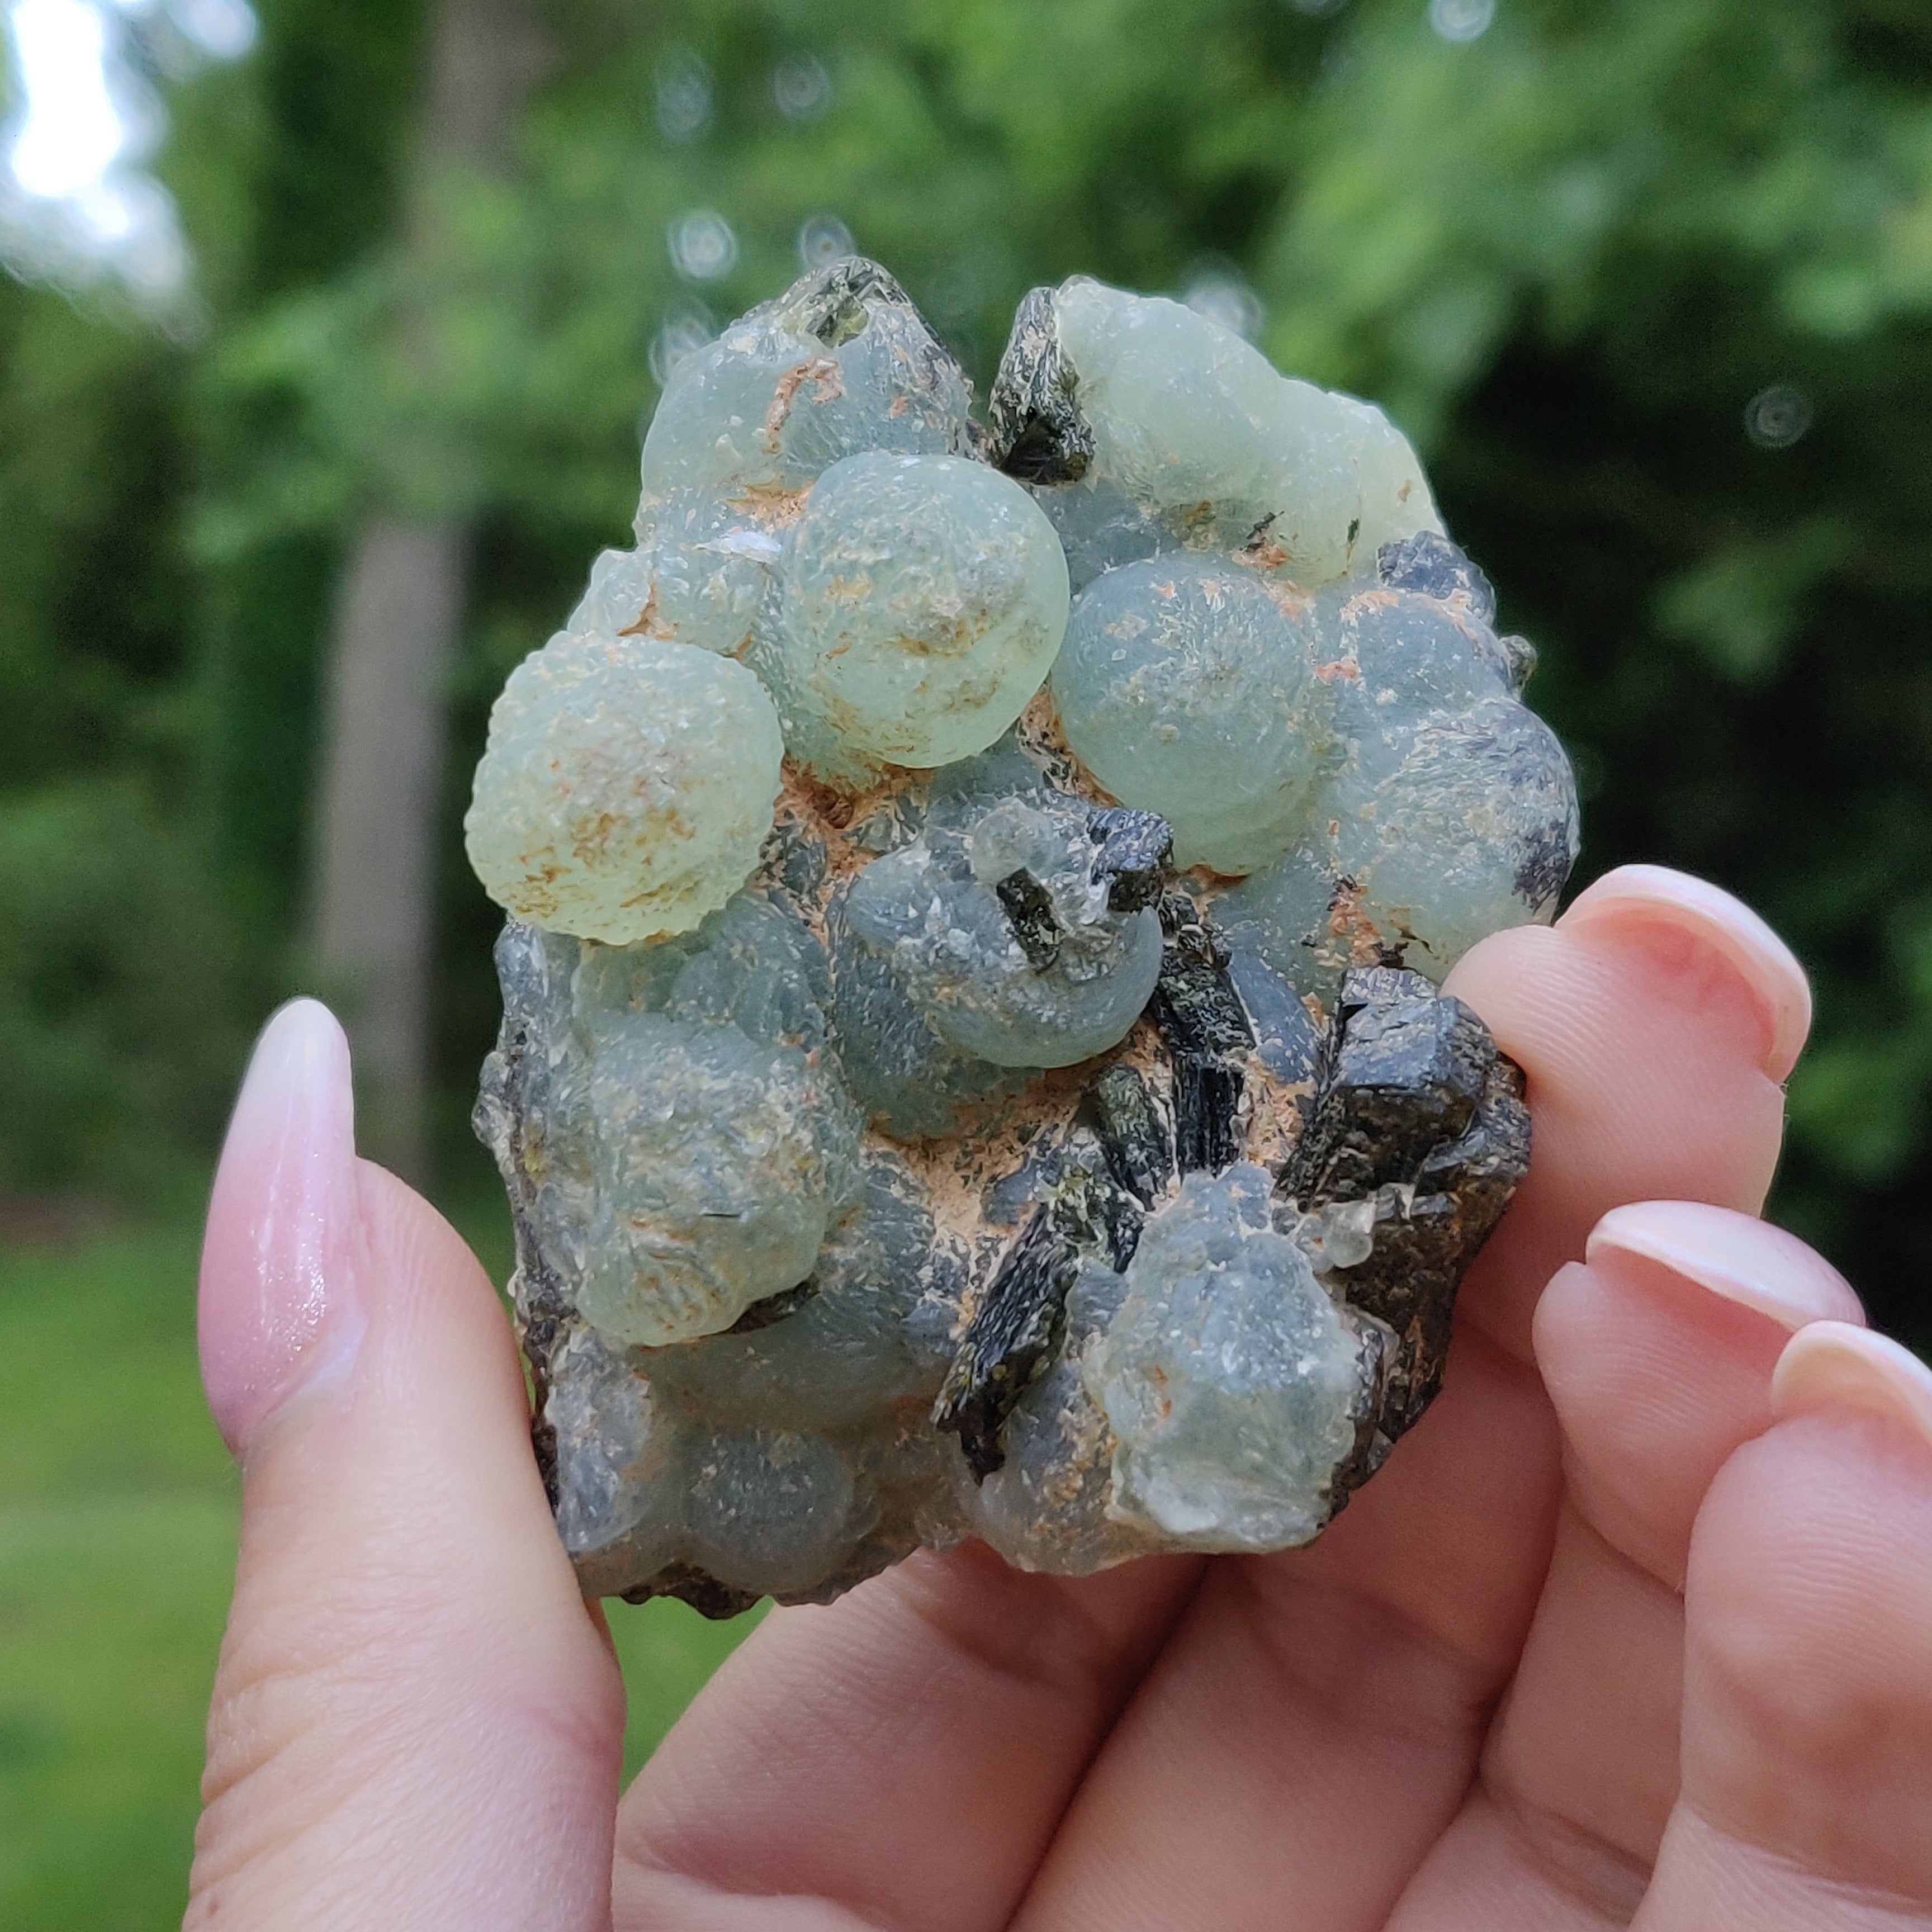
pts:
[920, 602]
[626, 789]
[972, 1061]
[1175, 433]
[1188, 685]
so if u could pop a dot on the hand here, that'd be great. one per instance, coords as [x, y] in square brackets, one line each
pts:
[1635, 1624]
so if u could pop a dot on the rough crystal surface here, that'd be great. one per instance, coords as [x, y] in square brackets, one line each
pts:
[700, 570]
[920, 601]
[1187, 686]
[626, 788]
[958, 1082]
[1172, 433]
[1002, 933]
[841, 363]
[1228, 1377]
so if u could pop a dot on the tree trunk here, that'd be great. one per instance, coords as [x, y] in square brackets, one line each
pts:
[395, 635]
[398, 619]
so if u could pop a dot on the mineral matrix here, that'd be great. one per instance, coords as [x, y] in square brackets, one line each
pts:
[972, 1061]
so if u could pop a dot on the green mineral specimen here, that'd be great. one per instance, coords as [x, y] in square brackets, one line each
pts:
[1187, 686]
[972, 1061]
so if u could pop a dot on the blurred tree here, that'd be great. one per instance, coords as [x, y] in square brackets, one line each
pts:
[154, 681]
[399, 616]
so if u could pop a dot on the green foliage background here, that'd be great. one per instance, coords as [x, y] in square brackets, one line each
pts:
[1567, 255]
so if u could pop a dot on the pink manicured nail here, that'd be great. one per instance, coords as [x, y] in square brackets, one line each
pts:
[1735, 1256]
[276, 1299]
[1830, 1365]
[1766, 963]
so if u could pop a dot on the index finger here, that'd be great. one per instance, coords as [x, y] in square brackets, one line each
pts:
[1657, 1024]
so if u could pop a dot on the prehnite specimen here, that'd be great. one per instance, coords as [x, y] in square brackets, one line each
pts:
[972, 1062]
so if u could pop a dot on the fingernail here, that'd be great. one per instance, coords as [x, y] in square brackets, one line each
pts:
[1832, 1365]
[1635, 894]
[277, 1301]
[1735, 1256]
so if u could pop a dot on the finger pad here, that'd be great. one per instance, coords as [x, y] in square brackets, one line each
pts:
[1809, 1667]
[1644, 1070]
[1655, 1382]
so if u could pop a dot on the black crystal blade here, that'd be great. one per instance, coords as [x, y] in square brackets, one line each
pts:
[1133, 1135]
[1195, 1004]
[1029, 911]
[1419, 1110]
[1207, 1103]
[1012, 1335]
[1039, 434]
[1136, 854]
[1205, 1029]
[1406, 1070]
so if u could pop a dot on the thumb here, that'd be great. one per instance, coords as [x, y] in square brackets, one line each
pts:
[416, 1721]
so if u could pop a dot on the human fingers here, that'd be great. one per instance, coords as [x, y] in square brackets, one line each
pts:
[1656, 1022]
[1308, 1728]
[415, 1720]
[1322, 1712]
[1658, 1353]
[900, 1757]
[1807, 1745]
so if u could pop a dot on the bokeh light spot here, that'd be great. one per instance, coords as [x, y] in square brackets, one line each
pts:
[822, 239]
[801, 87]
[76, 208]
[1220, 291]
[71, 134]
[684, 330]
[703, 245]
[1776, 418]
[1460, 20]
[684, 95]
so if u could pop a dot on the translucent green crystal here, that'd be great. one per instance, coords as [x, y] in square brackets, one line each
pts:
[626, 788]
[842, 364]
[701, 567]
[1199, 441]
[920, 601]
[1228, 1377]
[718, 1145]
[1449, 813]
[970, 1065]
[770, 1510]
[932, 911]
[848, 1350]
[1188, 686]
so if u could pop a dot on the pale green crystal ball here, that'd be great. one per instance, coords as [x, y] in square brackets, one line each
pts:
[627, 786]
[1187, 687]
[720, 1162]
[935, 915]
[701, 568]
[920, 601]
[799, 382]
[1448, 807]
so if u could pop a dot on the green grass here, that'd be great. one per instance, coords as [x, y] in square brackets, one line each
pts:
[118, 1509]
